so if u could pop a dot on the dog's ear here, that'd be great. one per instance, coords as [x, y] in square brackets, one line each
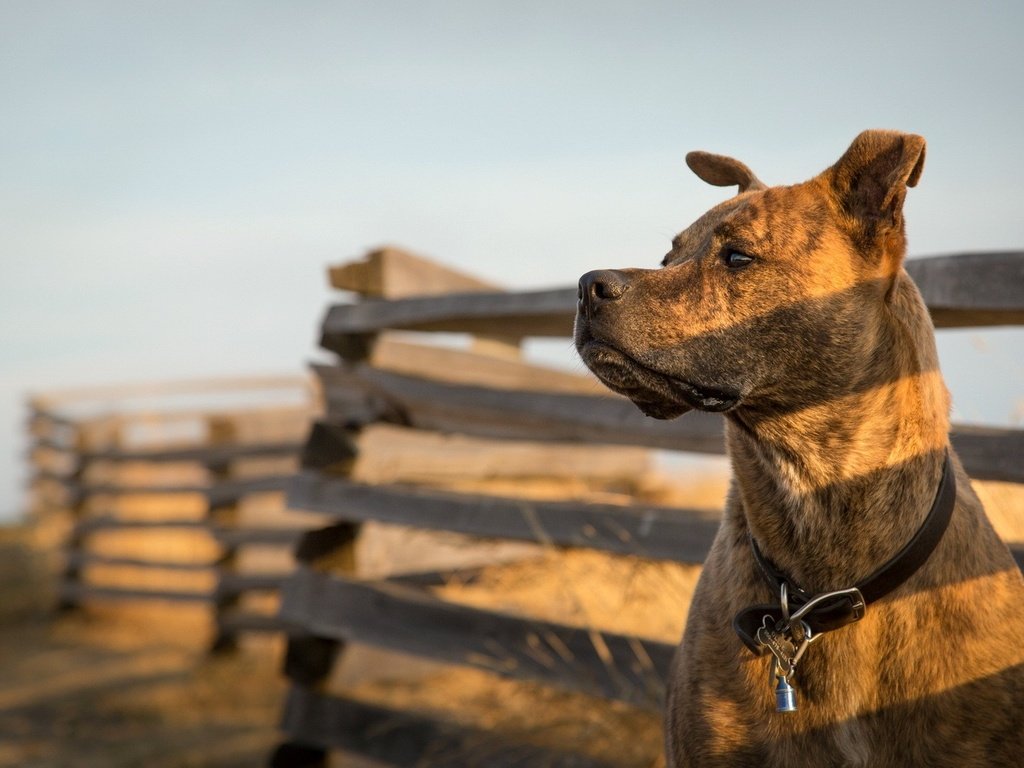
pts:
[871, 178]
[723, 171]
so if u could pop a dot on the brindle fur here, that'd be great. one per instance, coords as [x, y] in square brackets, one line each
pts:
[822, 355]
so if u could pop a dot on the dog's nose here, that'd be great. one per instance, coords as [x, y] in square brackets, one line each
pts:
[600, 286]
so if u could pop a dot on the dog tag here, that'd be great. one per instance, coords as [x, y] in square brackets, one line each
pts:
[781, 647]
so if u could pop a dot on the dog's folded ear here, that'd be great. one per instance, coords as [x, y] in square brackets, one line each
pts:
[723, 171]
[872, 177]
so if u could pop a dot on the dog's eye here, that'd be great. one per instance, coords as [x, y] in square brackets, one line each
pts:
[736, 259]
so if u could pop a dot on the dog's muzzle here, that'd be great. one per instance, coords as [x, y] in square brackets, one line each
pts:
[658, 394]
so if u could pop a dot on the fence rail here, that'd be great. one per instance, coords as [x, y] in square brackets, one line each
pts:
[497, 397]
[146, 494]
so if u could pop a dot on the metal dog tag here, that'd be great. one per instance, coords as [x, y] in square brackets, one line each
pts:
[781, 647]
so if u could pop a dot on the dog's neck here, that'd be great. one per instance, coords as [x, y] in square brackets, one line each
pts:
[832, 490]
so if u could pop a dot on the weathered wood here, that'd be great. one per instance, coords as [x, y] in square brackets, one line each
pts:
[668, 533]
[110, 522]
[227, 492]
[209, 455]
[393, 273]
[237, 537]
[988, 453]
[459, 366]
[80, 559]
[233, 623]
[221, 493]
[404, 738]
[526, 313]
[545, 416]
[962, 290]
[972, 289]
[406, 619]
[389, 453]
[76, 592]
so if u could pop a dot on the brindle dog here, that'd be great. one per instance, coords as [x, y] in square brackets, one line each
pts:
[788, 310]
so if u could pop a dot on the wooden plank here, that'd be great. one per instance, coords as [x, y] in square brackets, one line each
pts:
[390, 453]
[204, 454]
[230, 623]
[231, 491]
[80, 559]
[110, 522]
[988, 453]
[409, 620]
[220, 494]
[972, 289]
[231, 585]
[395, 273]
[405, 738]
[459, 366]
[961, 290]
[667, 533]
[76, 592]
[526, 313]
[82, 490]
[507, 414]
[237, 537]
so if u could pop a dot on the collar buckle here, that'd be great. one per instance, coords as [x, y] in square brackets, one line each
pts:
[831, 610]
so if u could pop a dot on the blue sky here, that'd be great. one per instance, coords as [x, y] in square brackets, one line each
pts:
[177, 176]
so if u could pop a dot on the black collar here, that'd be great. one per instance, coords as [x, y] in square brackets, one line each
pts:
[844, 607]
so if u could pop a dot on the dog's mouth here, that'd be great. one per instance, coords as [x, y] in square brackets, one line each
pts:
[656, 394]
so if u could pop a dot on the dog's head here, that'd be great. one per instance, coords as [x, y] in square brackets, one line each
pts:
[766, 296]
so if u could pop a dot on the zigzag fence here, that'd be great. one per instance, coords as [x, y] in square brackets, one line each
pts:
[421, 391]
[172, 493]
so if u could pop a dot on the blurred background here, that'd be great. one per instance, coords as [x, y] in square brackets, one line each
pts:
[176, 176]
[175, 180]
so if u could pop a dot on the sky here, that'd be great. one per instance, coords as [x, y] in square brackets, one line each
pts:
[177, 176]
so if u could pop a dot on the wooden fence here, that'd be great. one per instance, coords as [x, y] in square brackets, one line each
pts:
[487, 394]
[172, 492]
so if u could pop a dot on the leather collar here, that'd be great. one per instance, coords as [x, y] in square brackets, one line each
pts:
[847, 606]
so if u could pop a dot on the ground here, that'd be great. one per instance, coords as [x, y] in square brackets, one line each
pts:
[124, 687]
[71, 697]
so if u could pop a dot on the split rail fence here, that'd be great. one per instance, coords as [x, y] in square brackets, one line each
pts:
[172, 493]
[487, 393]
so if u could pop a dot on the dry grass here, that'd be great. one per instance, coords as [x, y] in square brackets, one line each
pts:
[129, 685]
[509, 710]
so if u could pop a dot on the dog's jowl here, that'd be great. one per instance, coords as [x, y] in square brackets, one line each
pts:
[856, 607]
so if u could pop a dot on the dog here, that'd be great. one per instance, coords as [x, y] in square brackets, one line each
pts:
[856, 607]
